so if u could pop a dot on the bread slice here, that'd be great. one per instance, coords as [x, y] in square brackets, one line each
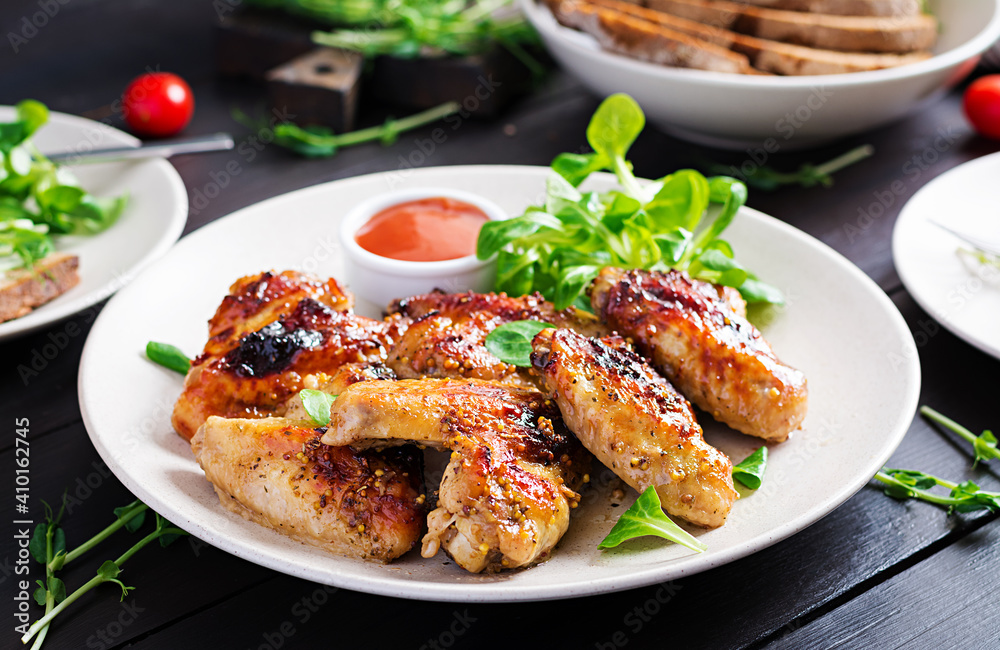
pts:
[769, 56]
[21, 290]
[843, 7]
[641, 39]
[843, 33]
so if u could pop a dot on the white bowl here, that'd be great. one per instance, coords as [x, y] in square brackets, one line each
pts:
[765, 114]
[380, 280]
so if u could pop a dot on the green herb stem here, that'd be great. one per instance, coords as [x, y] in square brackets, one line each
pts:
[948, 423]
[131, 511]
[923, 495]
[984, 446]
[43, 623]
[50, 599]
[97, 580]
[397, 126]
[845, 160]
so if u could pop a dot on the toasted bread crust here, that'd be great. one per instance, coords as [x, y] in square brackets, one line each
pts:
[843, 7]
[641, 39]
[844, 33]
[769, 56]
[22, 290]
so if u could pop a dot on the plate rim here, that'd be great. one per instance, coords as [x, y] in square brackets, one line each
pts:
[494, 591]
[48, 314]
[908, 217]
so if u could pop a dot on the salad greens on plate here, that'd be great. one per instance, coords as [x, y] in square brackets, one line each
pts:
[674, 222]
[39, 199]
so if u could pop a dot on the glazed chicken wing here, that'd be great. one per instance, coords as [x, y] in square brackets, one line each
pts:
[698, 336]
[277, 473]
[636, 423]
[268, 336]
[507, 492]
[446, 337]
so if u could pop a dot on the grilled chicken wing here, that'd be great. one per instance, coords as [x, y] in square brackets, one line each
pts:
[698, 336]
[506, 494]
[446, 337]
[636, 423]
[268, 336]
[275, 472]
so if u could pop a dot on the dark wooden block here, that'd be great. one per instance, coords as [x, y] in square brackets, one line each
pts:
[483, 84]
[249, 42]
[320, 87]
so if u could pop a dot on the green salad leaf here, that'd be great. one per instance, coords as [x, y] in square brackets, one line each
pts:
[511, 342]
[646, 517]
[39, 199]
[676, 222]
[317, 405]
[750, 471]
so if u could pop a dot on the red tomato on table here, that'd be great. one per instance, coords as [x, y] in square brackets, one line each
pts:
[982, 105]
[158, 104]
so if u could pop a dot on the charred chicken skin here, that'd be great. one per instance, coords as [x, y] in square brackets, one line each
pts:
[273, 335]
[636, 423]
[446, 337]
[269, 335]
[506, 495]
[277, 473]
[698, 336]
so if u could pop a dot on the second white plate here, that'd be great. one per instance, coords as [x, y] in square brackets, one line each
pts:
[838, 327]
[961, 295]
[152, 220]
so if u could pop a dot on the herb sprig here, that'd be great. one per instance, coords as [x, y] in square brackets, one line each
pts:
[511, 342]
[322, 142]
[412, 28]
[768, 179]
[48, 547]
[750, 471]
[646, 517]
[317, 404]
[558, 248]
[961, 497]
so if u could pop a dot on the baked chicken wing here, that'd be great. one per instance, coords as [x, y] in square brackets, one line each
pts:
[636, 423]
[507, 491]
[267, 338]
[277, 473]
[698, 336]
[446, 337]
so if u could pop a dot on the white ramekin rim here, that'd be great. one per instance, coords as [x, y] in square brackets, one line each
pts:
[360, 214]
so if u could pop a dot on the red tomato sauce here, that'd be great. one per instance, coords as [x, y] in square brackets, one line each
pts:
[426, 230]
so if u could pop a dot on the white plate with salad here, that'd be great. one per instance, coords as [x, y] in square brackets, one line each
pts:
[152, 219]
[940, 270]
[837, 326]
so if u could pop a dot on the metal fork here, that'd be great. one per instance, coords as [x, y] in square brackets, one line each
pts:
[985, 245]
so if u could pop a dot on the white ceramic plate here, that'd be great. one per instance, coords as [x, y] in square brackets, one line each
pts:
[962, 296]
[838, 327]
[151, 222]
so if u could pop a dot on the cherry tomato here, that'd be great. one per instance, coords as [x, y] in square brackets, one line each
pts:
[158, 104]
[982, 105]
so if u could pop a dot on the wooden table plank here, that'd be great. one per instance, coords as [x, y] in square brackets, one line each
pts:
[932, 605]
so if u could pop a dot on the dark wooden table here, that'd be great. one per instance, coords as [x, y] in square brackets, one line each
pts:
[874, 573]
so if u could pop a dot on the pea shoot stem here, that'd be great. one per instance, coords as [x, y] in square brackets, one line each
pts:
[97, 580]
[845, 160]
[948, 423]
[131, 511]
